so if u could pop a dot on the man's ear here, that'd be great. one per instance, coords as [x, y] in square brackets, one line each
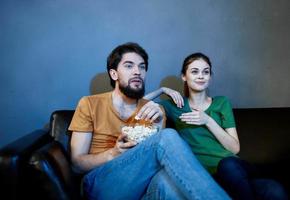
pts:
[113, 74]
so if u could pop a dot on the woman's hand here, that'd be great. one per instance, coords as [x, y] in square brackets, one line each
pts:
[196, 117]
[176, 96]
[227, 137]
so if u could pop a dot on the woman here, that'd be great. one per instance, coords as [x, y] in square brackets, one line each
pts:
[208, 125]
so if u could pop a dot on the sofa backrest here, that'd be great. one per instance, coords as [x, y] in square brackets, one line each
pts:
[264, 134]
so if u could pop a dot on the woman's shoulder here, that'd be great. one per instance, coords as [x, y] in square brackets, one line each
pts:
[221, 100]
[170, 100]
[169, 103]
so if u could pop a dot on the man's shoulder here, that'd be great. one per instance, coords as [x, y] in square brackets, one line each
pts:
[94, 100]
[98, 97]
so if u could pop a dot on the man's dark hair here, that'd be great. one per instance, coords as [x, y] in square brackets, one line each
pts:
[116, 56]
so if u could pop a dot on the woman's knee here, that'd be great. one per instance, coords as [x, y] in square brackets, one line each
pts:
[231, 168]
[269, 189]
[228, 164]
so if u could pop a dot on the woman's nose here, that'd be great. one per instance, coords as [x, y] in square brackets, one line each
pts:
[200, 76]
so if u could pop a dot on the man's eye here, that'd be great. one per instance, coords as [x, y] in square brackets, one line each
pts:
[129, 66]
[143, 67]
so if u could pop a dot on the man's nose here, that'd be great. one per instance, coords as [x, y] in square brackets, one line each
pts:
[137, 69]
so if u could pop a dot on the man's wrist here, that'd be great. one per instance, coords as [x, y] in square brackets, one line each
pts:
[112, 153]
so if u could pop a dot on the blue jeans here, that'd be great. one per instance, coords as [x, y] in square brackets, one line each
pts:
[161, 167]
[241, 181]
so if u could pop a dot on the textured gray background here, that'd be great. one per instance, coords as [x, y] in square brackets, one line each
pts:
[53, 52]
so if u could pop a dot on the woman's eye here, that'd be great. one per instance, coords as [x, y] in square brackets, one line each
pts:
[206, 72]
[194, 72]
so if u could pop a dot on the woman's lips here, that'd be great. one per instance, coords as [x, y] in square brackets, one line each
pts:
[200, 83]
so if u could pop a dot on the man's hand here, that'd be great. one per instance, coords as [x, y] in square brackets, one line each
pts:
[150, 111]
[122, 145]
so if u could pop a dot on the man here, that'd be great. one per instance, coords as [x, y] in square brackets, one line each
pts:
[161, 167]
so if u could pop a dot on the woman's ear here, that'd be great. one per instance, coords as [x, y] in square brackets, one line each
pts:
[113, 74]
[183, 78]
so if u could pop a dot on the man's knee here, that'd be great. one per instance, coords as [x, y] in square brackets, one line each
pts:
[160, 180]
[162, 187]
[169, 135]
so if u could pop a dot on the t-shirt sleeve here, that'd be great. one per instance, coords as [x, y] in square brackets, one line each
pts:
[166, 106]
[82, 119]
[228, 120]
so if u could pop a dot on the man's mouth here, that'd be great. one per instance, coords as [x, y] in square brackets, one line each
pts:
[136, 80]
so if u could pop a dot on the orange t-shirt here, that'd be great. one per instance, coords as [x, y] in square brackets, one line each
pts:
[96, 114]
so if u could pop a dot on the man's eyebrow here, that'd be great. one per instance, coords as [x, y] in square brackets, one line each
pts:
[127, 61]
[130, 62]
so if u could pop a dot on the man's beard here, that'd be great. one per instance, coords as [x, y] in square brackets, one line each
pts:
[132, 93]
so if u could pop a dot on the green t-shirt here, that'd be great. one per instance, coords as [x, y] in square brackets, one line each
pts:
[203, 143]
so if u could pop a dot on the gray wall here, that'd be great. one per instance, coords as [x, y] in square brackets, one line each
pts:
[53, 52]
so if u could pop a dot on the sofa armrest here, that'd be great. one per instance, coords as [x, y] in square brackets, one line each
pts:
[13, 162]
[52, 174]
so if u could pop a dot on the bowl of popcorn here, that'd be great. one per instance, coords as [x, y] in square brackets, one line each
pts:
[139, 130]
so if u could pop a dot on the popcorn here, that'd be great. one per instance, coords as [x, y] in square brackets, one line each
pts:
[139, 133]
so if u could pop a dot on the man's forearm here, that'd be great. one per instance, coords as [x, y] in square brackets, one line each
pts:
[87, 162]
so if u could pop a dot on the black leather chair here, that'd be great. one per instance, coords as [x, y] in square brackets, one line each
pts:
[38, 165]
